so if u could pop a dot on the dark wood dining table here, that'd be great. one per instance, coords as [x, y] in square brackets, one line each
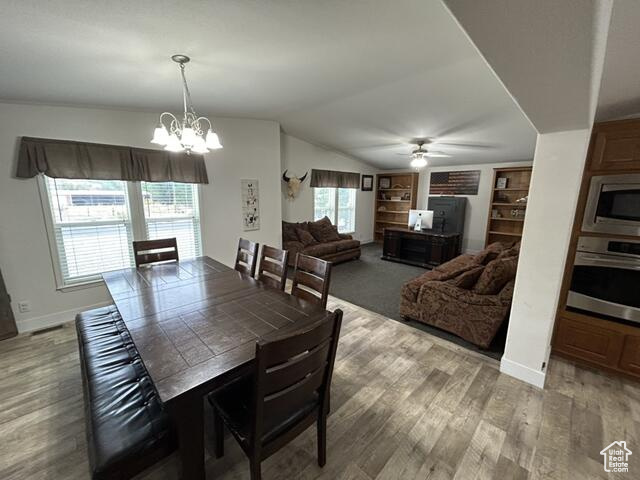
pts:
[195, 324]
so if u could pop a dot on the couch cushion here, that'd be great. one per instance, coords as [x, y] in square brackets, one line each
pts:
[343, 245]
[305, 237]
[321, 249]
[455, 263]
[467, 279]
[324, 231]
[496, 275]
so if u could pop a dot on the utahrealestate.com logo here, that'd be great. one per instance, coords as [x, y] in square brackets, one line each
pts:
[616, 457]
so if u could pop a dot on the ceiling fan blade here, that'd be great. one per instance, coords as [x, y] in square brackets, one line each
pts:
[463, 145]
[436, 155]
[379, 147]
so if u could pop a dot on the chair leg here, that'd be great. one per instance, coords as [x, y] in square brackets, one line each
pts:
[322, 439]
[218, 428]
[254, 466]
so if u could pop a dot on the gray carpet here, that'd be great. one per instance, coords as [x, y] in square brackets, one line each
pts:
[375, 284]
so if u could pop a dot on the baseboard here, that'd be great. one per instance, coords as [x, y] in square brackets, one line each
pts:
[522, 372]
[53, 319]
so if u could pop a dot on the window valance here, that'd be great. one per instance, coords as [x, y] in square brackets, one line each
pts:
[68, 159]
[334, 179]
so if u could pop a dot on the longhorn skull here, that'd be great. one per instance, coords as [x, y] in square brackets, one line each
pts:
[293, 184]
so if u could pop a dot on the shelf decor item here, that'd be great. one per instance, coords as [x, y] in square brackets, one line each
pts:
[501, 182]
[367, 183]
[385, 182]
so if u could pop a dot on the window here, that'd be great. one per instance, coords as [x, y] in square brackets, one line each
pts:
[171, 210]
[339, 204]
[93, 223]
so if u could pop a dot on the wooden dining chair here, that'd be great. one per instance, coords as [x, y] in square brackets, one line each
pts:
[273, 267]
[152, 251]
[288, 391]
[311, 279]
[247, 256]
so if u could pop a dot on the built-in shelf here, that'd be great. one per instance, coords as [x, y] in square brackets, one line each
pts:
[397, 188]
[517, 187]
[509, 234]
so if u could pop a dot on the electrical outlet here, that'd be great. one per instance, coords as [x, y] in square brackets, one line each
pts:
[24, 306]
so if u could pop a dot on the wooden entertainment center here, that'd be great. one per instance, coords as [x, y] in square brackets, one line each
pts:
[594, 339]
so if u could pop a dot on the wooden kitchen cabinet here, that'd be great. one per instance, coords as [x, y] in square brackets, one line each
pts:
[616, 146]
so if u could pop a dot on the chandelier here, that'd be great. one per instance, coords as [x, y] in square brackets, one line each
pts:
[188, 134]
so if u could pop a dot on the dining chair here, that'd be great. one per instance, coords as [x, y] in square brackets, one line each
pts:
[288, 391]
[247, 256]
[311, 279]
[152, 251]
[273, 267]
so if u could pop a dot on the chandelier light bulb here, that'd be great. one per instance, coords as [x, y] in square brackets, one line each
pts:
[199, 146]
[160, 135]
[213, 142]
[188, 138]
[173, 144]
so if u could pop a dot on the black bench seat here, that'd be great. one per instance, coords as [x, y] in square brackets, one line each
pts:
[127, 426]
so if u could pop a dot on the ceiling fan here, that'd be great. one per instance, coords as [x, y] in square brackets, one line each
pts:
[419, 155]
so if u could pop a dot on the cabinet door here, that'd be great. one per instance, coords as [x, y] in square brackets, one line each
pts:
[391, 245]
[616, 150]
[589, 342]
[630, 358]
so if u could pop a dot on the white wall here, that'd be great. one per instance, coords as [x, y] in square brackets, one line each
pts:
[251, 150]
[299, 157]
[557, 172]
[477, 210]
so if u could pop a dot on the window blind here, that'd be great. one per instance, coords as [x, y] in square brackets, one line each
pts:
[92, 227]
[172, 210]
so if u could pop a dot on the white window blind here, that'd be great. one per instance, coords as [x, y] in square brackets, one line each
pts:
[339, 204]
[92, 228]
[172, 210]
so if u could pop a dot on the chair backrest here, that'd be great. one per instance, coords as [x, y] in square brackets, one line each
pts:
[247, 256]
[152, 251]
[293, 374]
[273, 267]
[311, 279]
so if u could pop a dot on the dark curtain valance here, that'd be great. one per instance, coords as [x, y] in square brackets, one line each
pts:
[94, 161]
[334, 179]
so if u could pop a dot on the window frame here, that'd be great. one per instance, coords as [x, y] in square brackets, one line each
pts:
[136, 217]
[336, 201]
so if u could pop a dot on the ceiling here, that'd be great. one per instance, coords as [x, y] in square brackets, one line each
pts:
[354, 76]
[620, 88]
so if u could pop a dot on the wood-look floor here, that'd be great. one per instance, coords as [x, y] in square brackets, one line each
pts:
[405, 405]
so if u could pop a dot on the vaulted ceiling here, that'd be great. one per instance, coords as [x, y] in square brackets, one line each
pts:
[363, 77]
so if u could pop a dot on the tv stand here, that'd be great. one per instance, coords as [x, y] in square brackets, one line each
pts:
[425, 248]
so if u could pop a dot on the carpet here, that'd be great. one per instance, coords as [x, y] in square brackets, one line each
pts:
[375, 284]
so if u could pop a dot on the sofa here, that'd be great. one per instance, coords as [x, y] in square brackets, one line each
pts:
[318, 239]
[469, 296]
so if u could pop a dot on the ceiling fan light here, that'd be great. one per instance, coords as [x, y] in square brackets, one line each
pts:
[160, 135]
[419, 162]
[213, 142]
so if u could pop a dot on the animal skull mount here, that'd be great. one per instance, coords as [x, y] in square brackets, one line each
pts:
[293, 184]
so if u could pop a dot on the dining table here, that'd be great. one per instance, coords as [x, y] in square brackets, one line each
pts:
[195, 324]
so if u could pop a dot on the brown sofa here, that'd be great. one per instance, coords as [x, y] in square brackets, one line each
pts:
[318, 239]
[469, 296]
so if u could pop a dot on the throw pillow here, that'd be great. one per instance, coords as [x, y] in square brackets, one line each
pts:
[467, 279]
[490, 253]
[305, 237]
[496, 275]
[324, 231]
[289, 232]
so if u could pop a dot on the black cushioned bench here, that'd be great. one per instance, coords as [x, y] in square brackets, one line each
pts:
[127, 426]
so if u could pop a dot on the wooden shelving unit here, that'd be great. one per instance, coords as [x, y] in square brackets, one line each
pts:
[388, 212]
[506, 214]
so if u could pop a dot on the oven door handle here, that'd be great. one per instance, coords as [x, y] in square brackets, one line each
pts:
[589, 259]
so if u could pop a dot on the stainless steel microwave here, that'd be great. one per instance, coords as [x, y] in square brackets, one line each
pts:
[613, 205]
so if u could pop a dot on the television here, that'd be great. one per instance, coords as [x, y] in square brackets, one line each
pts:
[426, 215]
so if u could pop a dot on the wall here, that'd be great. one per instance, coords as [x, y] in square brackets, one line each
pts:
[299, 157]
[251, 150]
[477, 210]
[557, 172]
